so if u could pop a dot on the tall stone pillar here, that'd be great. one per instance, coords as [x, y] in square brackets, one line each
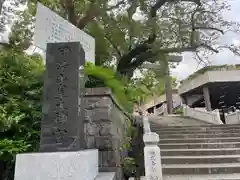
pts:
[207, 100]
[62, 126]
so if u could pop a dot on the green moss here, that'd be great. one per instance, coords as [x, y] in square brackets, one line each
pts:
[212, 68]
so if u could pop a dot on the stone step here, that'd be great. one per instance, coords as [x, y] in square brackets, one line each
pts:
[193, 131]
[235, 176]
[197, 135]
[200, 140]
[201, 168]
[173, 128]
[199, 145]
[213, 159]
[106, 176]
[197, 126]
[199, 152]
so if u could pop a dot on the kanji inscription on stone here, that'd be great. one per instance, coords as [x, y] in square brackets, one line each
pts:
[62, 129]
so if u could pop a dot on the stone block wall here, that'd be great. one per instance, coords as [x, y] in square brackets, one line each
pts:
[105, 127]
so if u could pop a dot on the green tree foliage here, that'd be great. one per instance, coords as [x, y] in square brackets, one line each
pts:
[20, 105]
[132, 32]
[144, 87]
[21, 35]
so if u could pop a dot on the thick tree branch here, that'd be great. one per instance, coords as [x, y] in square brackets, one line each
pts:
[141, 48]
[144, 47]
[208, 47]
[68, 5]
[88, 17]
[142, 58]
[113, 45]
[209, 28]
[139, 60]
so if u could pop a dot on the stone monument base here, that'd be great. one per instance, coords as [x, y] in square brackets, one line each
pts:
[80, 165]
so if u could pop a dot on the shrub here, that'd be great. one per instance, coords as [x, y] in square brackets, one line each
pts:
[106, 77]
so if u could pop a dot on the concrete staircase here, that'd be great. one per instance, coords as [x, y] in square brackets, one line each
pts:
[199, 152]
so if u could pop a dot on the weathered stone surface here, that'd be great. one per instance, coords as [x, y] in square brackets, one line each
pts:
[98, 114]
[90, 142]
[61, 125]
[58, 165]
[106, 176]
[105, 128]
[107, 142]
[95, 103]
[93, 129]
[107, 159]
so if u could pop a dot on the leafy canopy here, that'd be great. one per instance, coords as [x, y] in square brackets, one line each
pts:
[129, 33]
[148, 86]
[20, 105]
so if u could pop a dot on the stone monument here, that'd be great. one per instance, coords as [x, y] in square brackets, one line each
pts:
[62, 127]
[62, 133]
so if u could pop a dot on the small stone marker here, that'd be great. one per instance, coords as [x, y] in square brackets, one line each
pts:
[62, 127]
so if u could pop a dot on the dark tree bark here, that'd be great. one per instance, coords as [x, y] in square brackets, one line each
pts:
[2, 169]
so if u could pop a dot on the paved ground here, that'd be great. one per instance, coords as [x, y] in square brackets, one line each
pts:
[201, 177]
[174, 120]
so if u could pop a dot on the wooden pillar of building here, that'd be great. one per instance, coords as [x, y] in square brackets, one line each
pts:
[207, 99]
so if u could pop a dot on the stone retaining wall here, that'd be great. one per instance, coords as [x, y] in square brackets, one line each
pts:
[105, 128]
